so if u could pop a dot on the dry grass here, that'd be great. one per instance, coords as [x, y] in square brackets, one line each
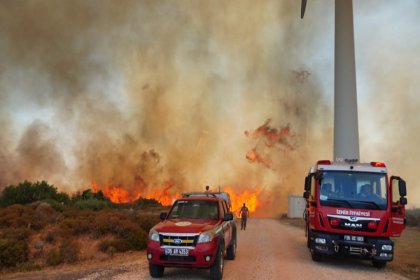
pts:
[407, 253]
[54, 238]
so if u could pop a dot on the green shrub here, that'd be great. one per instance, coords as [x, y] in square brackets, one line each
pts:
[13, 252]
[21, 233]
[28, 192]
[54, 258]
[69, 250]
[147, 202]
[413, 217]
[50, 237]
[118, 245]
[146, 222]
[27, 266]
[136, 240]
[92, 203]
[57, 206]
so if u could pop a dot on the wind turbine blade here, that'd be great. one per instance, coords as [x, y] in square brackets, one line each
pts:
[303, 8]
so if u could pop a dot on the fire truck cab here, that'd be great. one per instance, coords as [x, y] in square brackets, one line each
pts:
[353, 209]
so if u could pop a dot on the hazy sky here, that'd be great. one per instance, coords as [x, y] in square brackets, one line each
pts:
[139, 93]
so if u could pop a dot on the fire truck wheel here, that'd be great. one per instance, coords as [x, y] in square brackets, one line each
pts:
[156, 271]
[379, 264]
[231, 250]
[316, 257]
[308, 237]
[216, 270]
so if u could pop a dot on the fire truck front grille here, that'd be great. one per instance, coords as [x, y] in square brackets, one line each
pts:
[361, 225]
[184, 240]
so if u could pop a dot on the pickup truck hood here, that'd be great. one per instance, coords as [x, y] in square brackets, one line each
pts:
[186, 225]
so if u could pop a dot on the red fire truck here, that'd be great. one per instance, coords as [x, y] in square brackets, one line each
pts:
[353, 209]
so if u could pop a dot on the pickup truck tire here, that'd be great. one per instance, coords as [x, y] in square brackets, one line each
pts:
[216, 270]
[379, 264]
[231, 250]
[156, 271]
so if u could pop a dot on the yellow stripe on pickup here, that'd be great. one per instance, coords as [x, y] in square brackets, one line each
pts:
[184, 241]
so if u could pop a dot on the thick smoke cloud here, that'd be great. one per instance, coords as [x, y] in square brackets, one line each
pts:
[140, 93]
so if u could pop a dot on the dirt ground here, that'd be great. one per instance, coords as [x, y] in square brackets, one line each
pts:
[407, 250]
[268, 249]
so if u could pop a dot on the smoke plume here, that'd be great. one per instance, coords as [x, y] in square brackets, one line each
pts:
[141, 93]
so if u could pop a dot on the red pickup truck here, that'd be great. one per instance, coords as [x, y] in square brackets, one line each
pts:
[199, 231]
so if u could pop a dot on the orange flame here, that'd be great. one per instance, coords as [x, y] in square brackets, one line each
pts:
[163, 196]
[273, 138]
[254, 156]
[118, 194]
[249, 197]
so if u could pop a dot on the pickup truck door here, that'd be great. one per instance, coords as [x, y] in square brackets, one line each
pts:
[226, 225]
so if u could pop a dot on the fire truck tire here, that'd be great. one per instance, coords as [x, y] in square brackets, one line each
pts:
[231, 250]
[216, 270]
[308, 237]
[316, 257]
[156, 271]
[379, 264]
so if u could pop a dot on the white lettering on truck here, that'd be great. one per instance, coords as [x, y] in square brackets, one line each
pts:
[357, 213]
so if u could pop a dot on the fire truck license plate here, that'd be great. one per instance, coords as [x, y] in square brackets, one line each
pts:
[176, 251]
[354, 238]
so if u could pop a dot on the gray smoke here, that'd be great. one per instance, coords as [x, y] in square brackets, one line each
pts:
[139, 93]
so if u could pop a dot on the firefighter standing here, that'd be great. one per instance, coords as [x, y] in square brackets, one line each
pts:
[244, 216]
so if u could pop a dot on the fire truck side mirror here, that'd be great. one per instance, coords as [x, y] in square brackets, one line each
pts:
[403, 200]
[163, 216]
[402, 188]
[308, 183]
[306, 195]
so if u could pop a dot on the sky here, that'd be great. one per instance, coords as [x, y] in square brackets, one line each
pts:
[142, 93]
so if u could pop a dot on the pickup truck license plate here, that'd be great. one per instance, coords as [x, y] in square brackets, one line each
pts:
[354, 238]
[176, 251]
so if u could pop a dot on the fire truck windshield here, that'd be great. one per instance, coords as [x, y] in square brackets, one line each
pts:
[361, 190]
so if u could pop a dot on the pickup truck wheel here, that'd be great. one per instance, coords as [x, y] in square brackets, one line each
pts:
[231, 250]
[156, 271]
[216, 270]
[379, 264]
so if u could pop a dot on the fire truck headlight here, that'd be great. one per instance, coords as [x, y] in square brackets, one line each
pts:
[386, 247]
[205, 237]
[319, 240]
[154, 235]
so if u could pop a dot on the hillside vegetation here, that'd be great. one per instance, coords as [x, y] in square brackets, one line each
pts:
[41, 227]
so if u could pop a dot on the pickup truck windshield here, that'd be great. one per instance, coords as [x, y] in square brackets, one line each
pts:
[194, 209]
[359, 190]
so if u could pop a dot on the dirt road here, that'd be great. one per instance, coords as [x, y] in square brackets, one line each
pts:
[268, 249]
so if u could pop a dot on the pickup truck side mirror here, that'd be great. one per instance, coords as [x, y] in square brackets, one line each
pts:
[163, 216]
[228, 217]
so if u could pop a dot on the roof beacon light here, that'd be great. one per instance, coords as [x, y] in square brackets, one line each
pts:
[324, 162]
[377, 164]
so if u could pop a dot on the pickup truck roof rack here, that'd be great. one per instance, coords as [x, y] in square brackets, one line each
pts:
[206, 194]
